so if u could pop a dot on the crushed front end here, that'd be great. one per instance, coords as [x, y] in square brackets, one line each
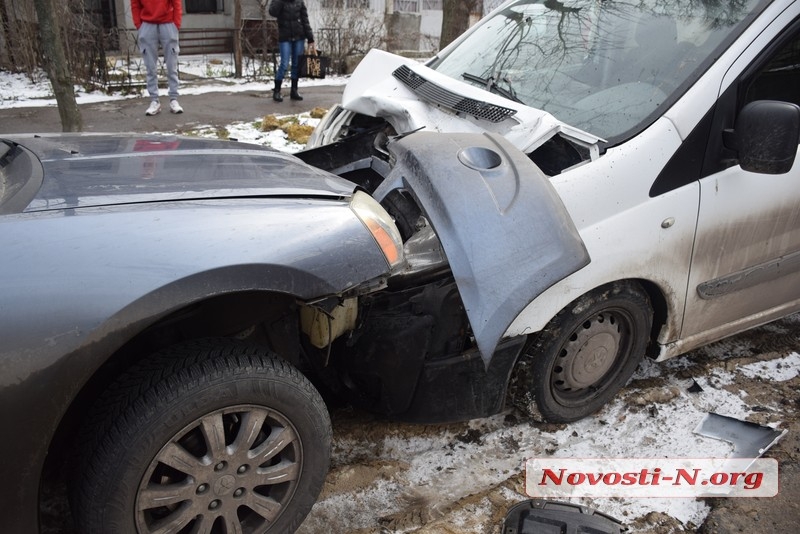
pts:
[483, 233]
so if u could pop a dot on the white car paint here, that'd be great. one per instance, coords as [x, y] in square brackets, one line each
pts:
[372, 90]
[675, 240]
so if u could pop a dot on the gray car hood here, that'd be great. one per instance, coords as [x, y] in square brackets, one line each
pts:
[81, 170]
[505, 231]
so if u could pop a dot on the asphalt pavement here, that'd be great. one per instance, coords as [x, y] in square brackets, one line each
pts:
[216, 109]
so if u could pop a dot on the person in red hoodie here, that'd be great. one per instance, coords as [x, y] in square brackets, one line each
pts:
[158, 22]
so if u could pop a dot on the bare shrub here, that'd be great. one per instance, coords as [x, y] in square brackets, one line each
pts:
[347, 30]
[84, 40]
[21, 40]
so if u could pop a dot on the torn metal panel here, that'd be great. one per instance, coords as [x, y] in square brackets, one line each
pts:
[505, 231]
[410, 96]
[750, 440]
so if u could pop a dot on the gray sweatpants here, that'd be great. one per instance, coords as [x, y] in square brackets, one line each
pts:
[150, 36]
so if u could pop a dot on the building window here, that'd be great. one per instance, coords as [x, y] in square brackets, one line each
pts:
[431, 5]
[205, 6]
[407, 6]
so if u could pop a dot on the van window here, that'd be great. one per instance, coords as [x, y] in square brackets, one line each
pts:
[780, 77]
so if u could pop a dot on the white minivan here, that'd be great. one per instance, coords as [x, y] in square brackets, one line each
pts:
[668, 128]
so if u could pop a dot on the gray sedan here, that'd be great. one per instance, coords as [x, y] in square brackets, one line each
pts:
[171, 309]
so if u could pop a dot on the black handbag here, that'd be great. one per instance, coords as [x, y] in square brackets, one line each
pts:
[313, 65]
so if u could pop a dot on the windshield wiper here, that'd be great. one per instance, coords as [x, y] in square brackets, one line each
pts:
[490, 85]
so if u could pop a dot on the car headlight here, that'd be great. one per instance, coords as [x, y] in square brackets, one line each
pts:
[380, 225]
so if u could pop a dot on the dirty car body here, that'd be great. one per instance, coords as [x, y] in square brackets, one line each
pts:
[669, 132]
[167, 303]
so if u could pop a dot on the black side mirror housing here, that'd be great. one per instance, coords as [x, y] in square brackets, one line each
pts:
[765, 136]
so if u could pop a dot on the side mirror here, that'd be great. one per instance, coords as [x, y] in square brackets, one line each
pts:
[765, 136]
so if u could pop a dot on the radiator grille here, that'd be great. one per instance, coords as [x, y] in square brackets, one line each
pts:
[450, 100]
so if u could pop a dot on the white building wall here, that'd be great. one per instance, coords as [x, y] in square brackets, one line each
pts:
[431, 23]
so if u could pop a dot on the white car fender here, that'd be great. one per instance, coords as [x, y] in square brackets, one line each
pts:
[608, 200]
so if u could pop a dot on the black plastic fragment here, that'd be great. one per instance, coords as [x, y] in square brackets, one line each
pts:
[536, 516]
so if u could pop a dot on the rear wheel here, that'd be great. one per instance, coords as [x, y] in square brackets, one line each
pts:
[587, 352]
[206, 437]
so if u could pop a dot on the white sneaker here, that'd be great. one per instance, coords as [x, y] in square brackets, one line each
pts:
[174, 107]
[154, 109]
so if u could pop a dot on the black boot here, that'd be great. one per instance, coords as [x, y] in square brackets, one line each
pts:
[276, 93]
[294, 95]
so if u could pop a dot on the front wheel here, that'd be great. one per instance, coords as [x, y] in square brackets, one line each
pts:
[208, 437]
[587, 352]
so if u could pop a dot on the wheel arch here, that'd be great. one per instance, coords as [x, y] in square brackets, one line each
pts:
[659, 303]
[160, 397]
[263, 315]
[540, 357]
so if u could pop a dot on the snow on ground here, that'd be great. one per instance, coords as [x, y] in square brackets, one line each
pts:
[203, 74]
[200, 74]
[778, 370]
[383, 472]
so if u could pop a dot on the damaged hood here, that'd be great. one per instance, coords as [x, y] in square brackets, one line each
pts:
[504, 229]
[411, 96]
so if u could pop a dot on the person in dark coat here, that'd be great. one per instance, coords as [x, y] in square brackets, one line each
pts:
[293, 31]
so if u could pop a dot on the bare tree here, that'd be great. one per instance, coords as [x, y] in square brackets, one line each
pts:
[57, 66]
[237, 38]
[348, 31]
[20, 37]
[456, 18]
[5, 59]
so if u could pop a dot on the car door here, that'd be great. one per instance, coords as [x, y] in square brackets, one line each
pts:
[746, 263]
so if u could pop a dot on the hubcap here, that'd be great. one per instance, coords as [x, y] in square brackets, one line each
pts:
[587, 360]
[590, 362]
[232, 470]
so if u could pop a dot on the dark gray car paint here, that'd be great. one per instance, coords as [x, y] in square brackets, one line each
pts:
[504, 229]
[84, 171]
[77, 283]
[181, 229]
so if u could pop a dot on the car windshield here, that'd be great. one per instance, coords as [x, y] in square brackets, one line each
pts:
[604, 66]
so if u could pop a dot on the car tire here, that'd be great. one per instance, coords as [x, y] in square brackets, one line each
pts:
[208, 436]
[587, 352]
